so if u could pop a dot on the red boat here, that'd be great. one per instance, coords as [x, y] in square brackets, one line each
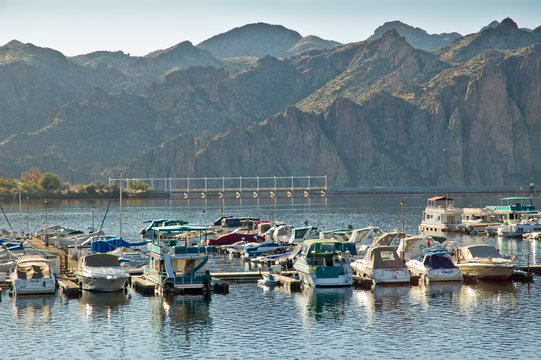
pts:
[233, 237]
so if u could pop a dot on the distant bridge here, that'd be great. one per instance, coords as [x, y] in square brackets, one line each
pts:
[241, 186]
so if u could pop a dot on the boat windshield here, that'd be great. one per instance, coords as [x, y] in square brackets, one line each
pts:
[440, 261]
[101, 260]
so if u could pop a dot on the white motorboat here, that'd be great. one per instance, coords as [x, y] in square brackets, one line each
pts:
[101, 272]
[434, 264]
[383, 265]
[483, 262]
[322, 262]
[32, 275]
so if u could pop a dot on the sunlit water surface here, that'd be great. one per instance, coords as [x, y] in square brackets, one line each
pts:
[486, 320]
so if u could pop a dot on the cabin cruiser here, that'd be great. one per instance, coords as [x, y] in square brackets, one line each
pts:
[434, 264]
[324, 262]
[146, 231]
[440, 217]
[410, 247]
[263, 248]
[177, 266]
[519, 230]
[234, 237]
[364, 235]
[426, 259]
[483, 261]
[383, 265]
[101, 272]
[33, 275]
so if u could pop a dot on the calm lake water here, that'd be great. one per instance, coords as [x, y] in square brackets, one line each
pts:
[486, 320]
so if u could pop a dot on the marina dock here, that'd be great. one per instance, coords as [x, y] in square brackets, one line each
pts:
[69, 288]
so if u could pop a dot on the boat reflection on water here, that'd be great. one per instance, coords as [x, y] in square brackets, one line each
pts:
[102, 305]
[34, 309]
[182, 319]
[497, 292]
[380, 299]
[423, 295]
[322, 303]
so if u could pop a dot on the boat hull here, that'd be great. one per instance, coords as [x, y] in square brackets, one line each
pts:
[445, 274]
[102, 284]
[398, 276]
[488, 271]
[34, 286]
[310, 277]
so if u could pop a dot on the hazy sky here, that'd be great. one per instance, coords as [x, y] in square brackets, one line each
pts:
[141, 26]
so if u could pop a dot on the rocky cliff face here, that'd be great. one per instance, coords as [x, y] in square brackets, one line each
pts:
[377, 112]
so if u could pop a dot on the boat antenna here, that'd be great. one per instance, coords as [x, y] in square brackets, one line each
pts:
[5, 216]
[108, 204]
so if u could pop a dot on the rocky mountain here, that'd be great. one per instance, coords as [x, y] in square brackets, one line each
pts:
[142, 71]
[416, 37]
[259, 40]
[470, 125]
[34, 81]
[376, 112]
[505, 35]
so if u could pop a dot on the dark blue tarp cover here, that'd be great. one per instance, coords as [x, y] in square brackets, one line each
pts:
[438, 260]
[103, 246]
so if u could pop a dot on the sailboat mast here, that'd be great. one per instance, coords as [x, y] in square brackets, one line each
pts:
[20, 210]
[120, 205]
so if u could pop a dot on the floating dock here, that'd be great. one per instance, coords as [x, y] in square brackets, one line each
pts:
[237, 276]
[69, 288]
[141, 285]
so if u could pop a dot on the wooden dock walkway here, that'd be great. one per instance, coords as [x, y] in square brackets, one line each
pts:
[69, 288]
[238, 276]
[289, 282]
[143, 286]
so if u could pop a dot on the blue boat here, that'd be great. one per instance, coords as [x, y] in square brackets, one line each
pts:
[434, 264]
[262, 248]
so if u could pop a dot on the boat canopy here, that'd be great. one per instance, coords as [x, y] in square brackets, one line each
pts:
[103, 245]
[437, 259]
[385, 257]
[318, 247]
[440, 198]
[96, 260]
[515, 203]
[440, 202]
[483, 251]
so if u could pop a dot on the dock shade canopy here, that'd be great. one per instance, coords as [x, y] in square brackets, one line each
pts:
[97, 260]
[440, 198]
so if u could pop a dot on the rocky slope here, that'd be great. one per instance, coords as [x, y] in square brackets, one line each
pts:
[376, 112]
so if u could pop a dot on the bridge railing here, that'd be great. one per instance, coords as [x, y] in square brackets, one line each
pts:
[219, 186]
